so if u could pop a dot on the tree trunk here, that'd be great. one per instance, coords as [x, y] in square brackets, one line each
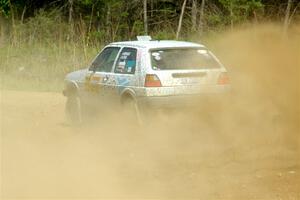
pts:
[2, 29]
[70, 11]
[108, 24]
[145, 18]
[13, 31]
[293, 13]
[152, 7]
[71, 24]
[231, 15]
[201, 19]
[287, 15]
[23, 14]
[194, 15]
[180, 19]
[91, 19]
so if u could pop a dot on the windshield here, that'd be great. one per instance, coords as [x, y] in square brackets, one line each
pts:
[178, 59]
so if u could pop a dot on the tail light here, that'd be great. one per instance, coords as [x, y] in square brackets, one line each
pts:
[152, 80]
[223, 79]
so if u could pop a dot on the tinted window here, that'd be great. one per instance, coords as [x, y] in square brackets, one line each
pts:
[105, 60]
[126, 63]
[188, 58]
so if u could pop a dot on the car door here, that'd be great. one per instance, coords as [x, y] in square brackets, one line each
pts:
[99, 80]
[126, 69]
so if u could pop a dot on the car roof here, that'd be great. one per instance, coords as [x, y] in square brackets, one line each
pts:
[156, 44]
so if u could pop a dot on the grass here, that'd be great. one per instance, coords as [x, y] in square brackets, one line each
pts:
[37, 54]
[41, 66]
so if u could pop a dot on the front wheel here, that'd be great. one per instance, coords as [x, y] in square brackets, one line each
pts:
[73, 109]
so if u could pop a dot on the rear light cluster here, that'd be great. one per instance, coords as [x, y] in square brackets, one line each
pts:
[223, 79]
[152, 80]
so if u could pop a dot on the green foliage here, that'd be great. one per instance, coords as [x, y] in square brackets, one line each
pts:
[4, 7]
[240, 10]
[164, 35]
[97, 37]
[214, 20]
[138, 27]
[103, 21]
[43, 27]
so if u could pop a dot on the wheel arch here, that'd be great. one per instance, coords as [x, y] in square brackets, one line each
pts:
[127, 94]
[71, 88]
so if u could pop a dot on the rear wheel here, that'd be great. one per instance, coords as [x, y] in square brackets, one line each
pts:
[73, 109]
[132, 110]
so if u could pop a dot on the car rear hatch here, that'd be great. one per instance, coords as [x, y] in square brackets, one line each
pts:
[188, 70]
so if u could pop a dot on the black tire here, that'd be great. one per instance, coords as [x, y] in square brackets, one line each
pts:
[73, 109]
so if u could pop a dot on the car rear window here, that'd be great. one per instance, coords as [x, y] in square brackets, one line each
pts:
[180, 59]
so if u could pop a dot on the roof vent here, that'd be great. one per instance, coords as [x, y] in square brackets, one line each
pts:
[144, 38]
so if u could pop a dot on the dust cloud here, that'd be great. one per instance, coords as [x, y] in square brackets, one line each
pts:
[246, 147]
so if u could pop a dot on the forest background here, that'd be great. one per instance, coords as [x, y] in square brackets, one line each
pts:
[42, 40]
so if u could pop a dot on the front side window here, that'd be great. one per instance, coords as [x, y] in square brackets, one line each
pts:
[182, 59]
[105, 60]
[126, 63]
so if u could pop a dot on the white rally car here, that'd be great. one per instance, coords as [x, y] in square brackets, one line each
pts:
[146, 74]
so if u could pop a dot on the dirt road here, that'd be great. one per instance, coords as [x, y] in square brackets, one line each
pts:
[248, 148]
[42, 157]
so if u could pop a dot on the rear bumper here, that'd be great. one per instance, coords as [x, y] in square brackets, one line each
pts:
[182, 101]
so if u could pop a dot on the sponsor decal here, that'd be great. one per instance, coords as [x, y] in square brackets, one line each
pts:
[91, 83]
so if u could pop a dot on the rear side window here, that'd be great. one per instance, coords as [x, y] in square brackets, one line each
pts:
[105, 60]
[181, 59]
[126, 62]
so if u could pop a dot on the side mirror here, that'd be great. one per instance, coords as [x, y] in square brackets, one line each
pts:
[92, 67]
